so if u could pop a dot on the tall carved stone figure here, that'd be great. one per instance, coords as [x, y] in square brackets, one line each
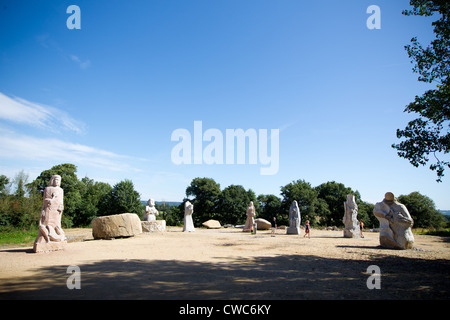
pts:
[250, 217]
[51, 236]
[395, 223]
[150, 211]
[294, 219]
[352, 229]
[188, 223]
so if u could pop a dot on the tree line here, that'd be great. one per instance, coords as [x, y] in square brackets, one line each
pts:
[322, 205]
[85, 199]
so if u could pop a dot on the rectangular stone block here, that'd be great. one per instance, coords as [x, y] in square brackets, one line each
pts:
[49, 246]
[154, 226]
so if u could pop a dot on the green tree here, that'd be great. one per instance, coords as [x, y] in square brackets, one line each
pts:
[19, 181]
[123, 198]
[423, 210]
[204, 194]
[171, 213]
[69, 183]
[19, 209]
[93, 199]
[321, 213]
[365, 212]
[270, 207]
[4, 180]
[429, 134]
[335, 194]
[233, 204]
[311, 207]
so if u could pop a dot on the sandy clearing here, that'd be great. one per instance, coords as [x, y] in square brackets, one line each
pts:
[228, 264]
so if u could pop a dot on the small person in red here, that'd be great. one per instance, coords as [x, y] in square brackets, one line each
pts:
[307, 229]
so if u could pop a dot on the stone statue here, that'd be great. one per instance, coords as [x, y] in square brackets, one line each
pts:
[352, 229]
[50, 235]
[294, 219]
[395, 223]
[250, 217]
[150, 211]
[188, 223]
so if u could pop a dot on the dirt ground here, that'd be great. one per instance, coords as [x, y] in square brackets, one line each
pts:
[228, 264]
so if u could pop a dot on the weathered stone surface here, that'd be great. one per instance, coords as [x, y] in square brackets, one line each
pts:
[116, 226]
[352, 229]
[51, 236]
[263, 224]
[188, 225]
[395, 223]
[150, 211]
[294, 219]
[212, 224]
[154, 226]
[250, 217]
[49, 246]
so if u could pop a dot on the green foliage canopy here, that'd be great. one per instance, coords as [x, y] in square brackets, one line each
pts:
[123, 198]
[270, 207]
[204, 194]
[85, 199]
[423, 210]
[429, 134]
[233, 204]
[69, 183]
[311, 207]
[335, 194]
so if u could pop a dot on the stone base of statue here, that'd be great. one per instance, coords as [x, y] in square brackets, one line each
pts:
[352, 233]
[154, 226]
[49, 246]
[292, 230]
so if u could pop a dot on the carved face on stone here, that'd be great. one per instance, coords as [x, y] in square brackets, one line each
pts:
[55, 181]
[151, 202]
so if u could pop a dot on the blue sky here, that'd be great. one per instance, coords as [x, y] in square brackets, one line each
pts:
[107, 97]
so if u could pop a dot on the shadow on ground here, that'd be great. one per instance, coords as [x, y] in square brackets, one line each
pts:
[281, 277]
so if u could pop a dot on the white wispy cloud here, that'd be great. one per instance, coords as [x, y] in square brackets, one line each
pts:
[34, 148]
[287, 125]
[24, 147]
[46, 41]
[82, 64]
[19, 110]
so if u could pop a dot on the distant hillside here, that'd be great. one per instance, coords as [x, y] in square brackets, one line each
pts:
[168, 203]
[446, 214]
